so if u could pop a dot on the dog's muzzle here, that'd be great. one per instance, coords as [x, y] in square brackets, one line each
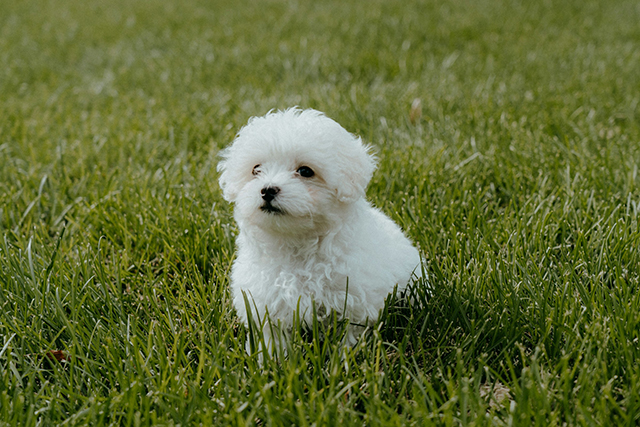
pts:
[268, 194]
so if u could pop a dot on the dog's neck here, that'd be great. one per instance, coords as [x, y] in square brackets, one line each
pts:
[328, 239]
[290, 245]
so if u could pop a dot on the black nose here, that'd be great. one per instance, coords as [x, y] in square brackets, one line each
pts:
[269, 193]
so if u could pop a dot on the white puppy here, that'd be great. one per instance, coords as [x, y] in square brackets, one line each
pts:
[307, 233]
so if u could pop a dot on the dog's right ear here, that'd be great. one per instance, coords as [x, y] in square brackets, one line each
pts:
[230, 183]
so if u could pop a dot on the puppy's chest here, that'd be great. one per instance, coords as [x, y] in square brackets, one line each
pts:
[304, 274]
[313, 268]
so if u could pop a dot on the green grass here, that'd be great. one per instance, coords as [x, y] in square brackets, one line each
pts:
[519, 182]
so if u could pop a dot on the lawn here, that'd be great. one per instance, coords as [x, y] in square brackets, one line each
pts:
[515, 172]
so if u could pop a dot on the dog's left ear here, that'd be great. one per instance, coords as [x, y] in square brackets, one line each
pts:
[355, 168]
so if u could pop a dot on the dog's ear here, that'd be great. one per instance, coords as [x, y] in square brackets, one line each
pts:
[230, 184]
[355, 167]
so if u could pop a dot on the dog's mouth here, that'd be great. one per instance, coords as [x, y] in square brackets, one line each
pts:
[270, 209]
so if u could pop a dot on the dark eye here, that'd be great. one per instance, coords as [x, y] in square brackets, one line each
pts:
[256, 170]
[305, 171]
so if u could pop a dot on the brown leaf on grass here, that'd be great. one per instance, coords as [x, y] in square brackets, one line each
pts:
[415, 113]
[57, 355]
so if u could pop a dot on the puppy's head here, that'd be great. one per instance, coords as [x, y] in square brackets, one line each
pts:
[292, 169]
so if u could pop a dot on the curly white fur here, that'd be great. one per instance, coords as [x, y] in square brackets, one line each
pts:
[306, 239]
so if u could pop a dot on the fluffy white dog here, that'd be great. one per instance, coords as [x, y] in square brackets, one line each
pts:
[307, 233]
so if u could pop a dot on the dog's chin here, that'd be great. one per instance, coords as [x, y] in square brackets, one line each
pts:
[277, 220]
[269, 209]
[290, 213]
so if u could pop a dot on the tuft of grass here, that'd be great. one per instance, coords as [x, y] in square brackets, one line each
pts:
[517, 177]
